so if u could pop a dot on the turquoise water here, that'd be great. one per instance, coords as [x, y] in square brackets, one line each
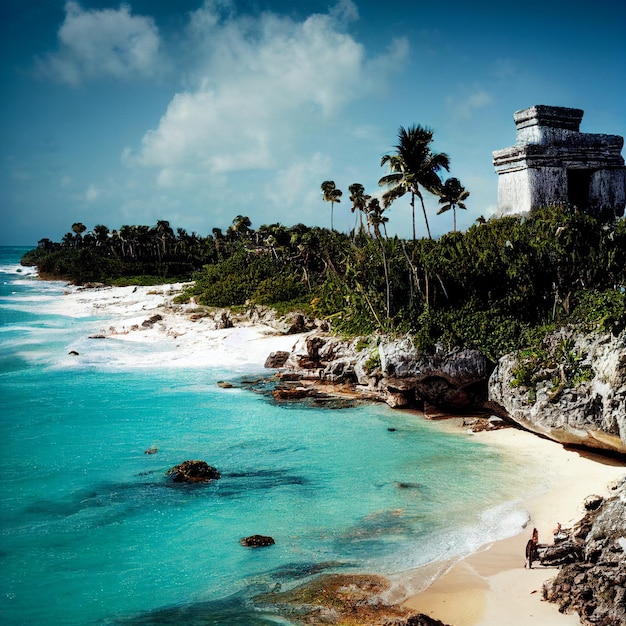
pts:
[92, 532]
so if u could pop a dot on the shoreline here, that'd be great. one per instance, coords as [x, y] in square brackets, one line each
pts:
[488, 587]
[483, 588]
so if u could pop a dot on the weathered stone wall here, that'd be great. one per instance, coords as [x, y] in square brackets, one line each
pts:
[552, 163]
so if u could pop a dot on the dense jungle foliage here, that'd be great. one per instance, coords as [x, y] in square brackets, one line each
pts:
[496, 286]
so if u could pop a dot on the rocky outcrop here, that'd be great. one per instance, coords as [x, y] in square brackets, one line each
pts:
[346, 599]
[193, 472]
[594, 585]
[257, 541]
[288, 324]
[572, 390]
[394, 371]
[276, 359]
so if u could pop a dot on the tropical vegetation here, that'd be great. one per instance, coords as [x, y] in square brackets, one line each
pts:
[497, 286]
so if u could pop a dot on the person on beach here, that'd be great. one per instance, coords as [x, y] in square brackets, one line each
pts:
[531, 549]
[559, 533]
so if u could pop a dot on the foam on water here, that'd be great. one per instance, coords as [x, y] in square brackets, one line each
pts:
[92, 532]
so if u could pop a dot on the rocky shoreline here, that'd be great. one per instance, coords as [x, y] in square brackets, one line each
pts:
[574, 392]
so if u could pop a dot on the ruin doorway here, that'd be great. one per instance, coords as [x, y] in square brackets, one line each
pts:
[578, 188]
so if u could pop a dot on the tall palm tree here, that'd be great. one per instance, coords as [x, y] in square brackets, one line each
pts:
[241, 226]
[413, 166]
[101, 233]
[359, 200]
[164, 235]
[376, 218]
[78, 228]
[332, 195]
[452, 196]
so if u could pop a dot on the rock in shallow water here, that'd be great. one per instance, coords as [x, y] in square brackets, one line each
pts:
[193, 472]
[257, 541]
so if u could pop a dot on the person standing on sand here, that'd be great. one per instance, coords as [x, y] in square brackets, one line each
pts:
[531, 549]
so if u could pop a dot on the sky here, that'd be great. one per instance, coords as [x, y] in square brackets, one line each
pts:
[196, 112]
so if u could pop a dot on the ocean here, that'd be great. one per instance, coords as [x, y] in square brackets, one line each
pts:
[94, 532]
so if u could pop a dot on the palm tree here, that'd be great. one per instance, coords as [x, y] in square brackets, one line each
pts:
[452, 196]
[332, 195]
[359, 200]
[102, 234]
[240, 226]
[164, 235]
[376, 218]
[79, 228]
[414, 165]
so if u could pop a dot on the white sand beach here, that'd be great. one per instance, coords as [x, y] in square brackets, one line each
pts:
[492, 587]
[488, 588]
[188, 340]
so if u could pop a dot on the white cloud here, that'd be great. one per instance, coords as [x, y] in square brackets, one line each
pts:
[103, 43]
[257, 91]
[298, 191]
[92, 193]
[465, 105]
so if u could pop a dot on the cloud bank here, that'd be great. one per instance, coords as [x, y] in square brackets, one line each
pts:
[256, 91]
[103, 43]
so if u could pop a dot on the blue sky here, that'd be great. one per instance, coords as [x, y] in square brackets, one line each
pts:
[197, 112]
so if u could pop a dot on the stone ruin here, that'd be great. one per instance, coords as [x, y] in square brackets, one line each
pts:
[553, 163]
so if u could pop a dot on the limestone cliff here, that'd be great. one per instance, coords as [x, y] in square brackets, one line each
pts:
[394, 371]
[573, 390]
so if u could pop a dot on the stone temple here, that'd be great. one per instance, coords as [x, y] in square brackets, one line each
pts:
[553, 163]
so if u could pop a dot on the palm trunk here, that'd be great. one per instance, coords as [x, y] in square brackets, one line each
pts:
[425, 217]
[413, 213]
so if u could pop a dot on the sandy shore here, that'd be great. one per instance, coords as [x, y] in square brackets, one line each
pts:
[183, 336]
[488, 588]
[492, 587]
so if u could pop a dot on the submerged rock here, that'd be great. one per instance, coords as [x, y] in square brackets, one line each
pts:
[257, 541]
[193, 472]
[347, 599]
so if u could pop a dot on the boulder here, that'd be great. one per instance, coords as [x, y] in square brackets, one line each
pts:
[276, 359]
[193, 472]
[257, 541]
[223, 320]
[575, 395]
[151, 321]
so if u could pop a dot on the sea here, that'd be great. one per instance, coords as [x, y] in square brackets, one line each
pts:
[93, 531]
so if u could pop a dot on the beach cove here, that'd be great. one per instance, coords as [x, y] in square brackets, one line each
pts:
[548, 483]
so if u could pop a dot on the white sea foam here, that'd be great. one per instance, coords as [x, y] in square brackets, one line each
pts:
[118, 315]
[19, 270]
